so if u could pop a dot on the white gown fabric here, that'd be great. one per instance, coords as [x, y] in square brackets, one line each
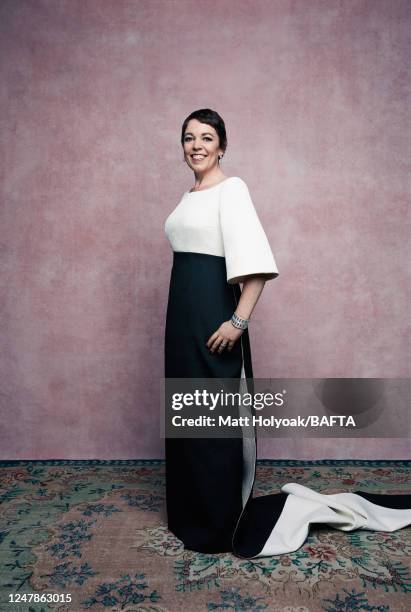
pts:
[344, 511]
[222, 221]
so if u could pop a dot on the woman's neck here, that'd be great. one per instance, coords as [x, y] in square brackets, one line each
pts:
[204, 182]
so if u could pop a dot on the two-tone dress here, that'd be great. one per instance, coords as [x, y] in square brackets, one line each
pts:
[217, 241]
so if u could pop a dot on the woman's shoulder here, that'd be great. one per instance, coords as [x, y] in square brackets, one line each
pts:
[234, 179]
[234, 185]
[235, 194]
[234, 182]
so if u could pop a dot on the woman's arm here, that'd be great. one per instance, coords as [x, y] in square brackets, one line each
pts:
[227, 334]
[252, 289]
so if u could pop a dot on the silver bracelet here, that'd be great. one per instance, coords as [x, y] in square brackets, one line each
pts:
[238, 322]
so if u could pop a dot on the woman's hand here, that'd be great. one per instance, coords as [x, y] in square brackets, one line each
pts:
[225, 336]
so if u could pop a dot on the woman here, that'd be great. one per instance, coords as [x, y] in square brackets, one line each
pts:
[218, 242]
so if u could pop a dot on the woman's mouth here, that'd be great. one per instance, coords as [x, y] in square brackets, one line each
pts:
[198, 157]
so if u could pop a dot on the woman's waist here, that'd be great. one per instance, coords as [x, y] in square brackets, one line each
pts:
[200, 276]
[192, 263]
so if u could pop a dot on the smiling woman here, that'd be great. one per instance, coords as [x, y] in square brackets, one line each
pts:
[218, 242]
[204, 147]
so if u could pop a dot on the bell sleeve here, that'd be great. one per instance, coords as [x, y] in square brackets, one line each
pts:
[246, 247]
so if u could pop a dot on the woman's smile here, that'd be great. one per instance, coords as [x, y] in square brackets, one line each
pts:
[198, 157]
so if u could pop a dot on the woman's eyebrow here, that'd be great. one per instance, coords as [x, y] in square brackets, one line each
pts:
[203, 134]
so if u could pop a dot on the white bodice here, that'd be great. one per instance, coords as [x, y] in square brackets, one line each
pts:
[222, 221]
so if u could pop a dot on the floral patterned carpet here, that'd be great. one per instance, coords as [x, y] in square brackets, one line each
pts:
[96, 530]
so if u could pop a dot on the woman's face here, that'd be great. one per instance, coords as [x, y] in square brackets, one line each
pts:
[201, 146]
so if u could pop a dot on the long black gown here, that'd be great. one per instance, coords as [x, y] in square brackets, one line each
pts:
[217, 240]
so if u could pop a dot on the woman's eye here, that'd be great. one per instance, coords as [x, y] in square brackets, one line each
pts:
[189, 138]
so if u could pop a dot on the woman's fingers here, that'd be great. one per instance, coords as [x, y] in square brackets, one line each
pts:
[216, 343]
[211, 339]
[222, 346]
[222, 338]
[222, 343]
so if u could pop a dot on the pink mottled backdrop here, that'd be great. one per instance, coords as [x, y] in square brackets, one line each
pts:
[93, 95]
